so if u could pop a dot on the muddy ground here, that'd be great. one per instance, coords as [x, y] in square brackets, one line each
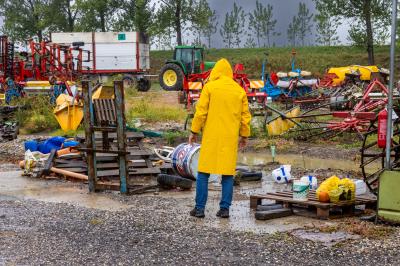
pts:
[53, 222]
[57, 222]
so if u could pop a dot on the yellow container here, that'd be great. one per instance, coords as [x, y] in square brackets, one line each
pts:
[68, 112]
[103, 92]
[341, 72]
[279, 126]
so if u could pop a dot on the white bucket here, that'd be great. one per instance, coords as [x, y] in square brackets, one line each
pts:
[300, 190]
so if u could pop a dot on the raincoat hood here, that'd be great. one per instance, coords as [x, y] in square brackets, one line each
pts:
[221, 68]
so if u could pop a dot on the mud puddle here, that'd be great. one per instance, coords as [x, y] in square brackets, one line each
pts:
[14, 186]
[302, 161]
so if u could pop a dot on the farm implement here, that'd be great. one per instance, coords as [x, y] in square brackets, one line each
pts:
[187, 73]
[344, 115]
[49, 68]
[287, 86]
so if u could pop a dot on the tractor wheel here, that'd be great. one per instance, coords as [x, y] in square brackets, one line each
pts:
[171, 77]
[143, 85]
[128, 82]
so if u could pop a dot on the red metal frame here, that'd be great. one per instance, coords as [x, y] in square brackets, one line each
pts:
[253, 95]
[363, 112]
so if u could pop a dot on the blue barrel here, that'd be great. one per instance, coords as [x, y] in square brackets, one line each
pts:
[185, 159]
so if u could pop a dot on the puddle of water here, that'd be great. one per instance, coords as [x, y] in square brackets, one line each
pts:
[299, 160]
[242, 219]
[326, 239]
[15, 186]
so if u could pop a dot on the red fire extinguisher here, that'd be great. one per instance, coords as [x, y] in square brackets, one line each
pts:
[382, 128]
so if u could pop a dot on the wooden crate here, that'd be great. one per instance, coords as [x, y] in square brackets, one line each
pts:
[321, 210]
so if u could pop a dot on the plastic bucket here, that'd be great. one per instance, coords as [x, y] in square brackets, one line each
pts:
[185, 159]
[300, 190]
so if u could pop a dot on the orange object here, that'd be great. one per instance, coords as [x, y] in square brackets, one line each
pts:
[66, 151]
[323, 196]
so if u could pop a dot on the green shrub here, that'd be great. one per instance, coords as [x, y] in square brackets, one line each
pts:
[35, 114]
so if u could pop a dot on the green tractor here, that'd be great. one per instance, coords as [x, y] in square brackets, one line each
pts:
[187, 65]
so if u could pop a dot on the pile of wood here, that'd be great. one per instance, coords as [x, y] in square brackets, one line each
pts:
[141, 162]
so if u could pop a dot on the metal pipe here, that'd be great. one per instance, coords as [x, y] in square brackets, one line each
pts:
[391, 84]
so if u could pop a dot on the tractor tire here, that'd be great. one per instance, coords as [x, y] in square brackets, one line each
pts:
[143, 85]
[171, 77]
[128, 82]
[173, 181]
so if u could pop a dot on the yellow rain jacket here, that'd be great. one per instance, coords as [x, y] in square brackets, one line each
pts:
[222, 114]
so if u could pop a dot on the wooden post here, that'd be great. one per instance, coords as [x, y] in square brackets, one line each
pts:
[121, 136]
[89, 135]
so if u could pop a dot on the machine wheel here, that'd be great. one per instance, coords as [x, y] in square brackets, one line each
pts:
[373, 157]
[172, 181]
[143, 85]
[171, 77]
[128, 82]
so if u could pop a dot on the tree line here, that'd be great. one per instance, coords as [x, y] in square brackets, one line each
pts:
[195, 22]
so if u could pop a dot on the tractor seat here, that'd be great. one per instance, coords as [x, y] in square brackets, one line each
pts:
[282, 74]
[305, 73]
[293, 74]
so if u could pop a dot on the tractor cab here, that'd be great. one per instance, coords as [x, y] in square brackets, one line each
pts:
[187, 61]
[191, 58]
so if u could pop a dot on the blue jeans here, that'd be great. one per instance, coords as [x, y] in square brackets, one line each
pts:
[202, 191]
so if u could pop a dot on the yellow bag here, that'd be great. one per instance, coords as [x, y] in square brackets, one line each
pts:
[349, 188]
[328, 185]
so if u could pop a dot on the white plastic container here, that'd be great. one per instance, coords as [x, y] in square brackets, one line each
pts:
[361, 187]
[282, 174]
[311, 180]
[300, 190]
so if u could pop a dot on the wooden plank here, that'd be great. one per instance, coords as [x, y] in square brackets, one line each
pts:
[113, 135]
[71, 165]
[312, 197]
[136, 171]
[273, 214]
[49, 162]
[74, 170]
[88, 122]
[121, 136]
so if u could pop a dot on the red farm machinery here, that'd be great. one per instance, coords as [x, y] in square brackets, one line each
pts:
[47, 69]
[187, 73]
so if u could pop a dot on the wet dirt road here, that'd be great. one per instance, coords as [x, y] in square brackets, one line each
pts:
[52, 222]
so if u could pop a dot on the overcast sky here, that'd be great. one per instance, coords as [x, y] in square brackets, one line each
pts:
[284, 10]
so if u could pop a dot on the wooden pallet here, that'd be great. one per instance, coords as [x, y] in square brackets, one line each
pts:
[323, 210]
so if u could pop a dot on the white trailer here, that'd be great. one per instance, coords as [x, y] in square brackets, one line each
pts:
[126, 53]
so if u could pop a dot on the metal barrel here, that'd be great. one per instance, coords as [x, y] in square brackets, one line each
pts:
[185, 160]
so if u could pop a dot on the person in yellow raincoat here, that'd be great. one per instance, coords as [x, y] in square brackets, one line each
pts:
[222, 115]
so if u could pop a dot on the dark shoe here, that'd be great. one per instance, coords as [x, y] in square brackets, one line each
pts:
[197, 213]
[223, 213]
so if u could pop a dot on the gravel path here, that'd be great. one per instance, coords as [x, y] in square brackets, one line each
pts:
[154, 233]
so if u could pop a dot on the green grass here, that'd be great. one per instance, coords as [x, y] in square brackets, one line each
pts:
[172, 137]
[36, 114]
[314, 59]
[152, 112]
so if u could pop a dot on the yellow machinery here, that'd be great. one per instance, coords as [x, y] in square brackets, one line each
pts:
[103, 92]
[68, 112]
[279, 125]
[365, 72]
